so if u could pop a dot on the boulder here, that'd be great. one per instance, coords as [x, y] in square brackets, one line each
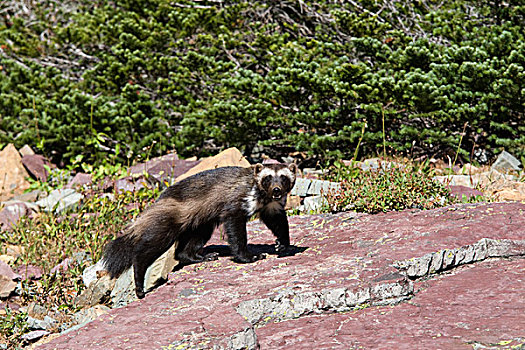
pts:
[506, 162]
[314, 203]
[347, 271]
[121, 291]
[34, 335]
[124, 290]
[30, 272]
[143, 168]
[96, 293]
[60, 200]
[12, 173]
[36, 165]
[80, 180]
[230, 157]
[26, 150]
[12, 213]
[46, 323]
[87, 315]
[90, 273]
[5, 270]
[129, 184]
[482, 179]
[508, 191]
[30, 197]
[7, 286]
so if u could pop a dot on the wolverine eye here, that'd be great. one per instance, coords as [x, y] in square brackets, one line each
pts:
[285, 181]
[266, 181]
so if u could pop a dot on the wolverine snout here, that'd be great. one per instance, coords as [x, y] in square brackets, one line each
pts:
[277, 192]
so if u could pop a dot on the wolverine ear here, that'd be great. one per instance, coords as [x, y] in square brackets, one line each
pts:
[292, 167]
[257, 168]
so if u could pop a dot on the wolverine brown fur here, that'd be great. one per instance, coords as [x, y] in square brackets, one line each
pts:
[189, 211]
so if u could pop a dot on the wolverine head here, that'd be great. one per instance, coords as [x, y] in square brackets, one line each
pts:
[275, 180]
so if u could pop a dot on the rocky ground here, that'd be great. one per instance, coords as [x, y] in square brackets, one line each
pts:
[449, 278]
[444, 278]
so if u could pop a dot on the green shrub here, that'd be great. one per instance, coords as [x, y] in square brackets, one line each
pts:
[148, 76]
[391, 187]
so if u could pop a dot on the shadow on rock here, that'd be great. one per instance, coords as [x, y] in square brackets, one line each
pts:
[224, 250]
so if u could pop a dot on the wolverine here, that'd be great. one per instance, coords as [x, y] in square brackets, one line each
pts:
[189, 211]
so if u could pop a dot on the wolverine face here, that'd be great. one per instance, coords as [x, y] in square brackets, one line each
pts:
[275, 180]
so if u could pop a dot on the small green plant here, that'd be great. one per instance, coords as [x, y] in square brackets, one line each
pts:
[12, 326]
[62, 246]
[392, 186]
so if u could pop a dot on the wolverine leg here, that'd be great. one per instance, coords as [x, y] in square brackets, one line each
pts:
[238, 241]
[275, 219]
[191, 244]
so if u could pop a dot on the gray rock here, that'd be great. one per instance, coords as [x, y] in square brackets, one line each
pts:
[34, 335]
[301, 187]
[60, 200]
[246, 339]
[124, 290]
[26, 150]
[46, 323]
[375, 164]
[391, 291]
[358, 297]
[292, 304]
[314, 203]
[420, 267]
[30, 197]
[97, 292]
[506, 161]
[334, 299]
[313, 171]
[87, 315]
[448, 258]
[315, 187]
[437, 262]
[90, 273]
[254, 310]
[7, 286]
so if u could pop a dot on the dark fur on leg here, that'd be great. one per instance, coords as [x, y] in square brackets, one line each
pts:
[275, 219]
[238, 241]
[189, 250]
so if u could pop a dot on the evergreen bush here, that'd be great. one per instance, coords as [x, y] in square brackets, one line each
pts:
[84, 77]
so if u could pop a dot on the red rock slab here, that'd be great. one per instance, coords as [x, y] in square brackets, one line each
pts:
[345, 250]
[36, 165]
[480, 304]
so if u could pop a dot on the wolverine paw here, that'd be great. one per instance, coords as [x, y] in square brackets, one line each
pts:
[281, 249]
[249, 258]
[284, 251]
[140, 293]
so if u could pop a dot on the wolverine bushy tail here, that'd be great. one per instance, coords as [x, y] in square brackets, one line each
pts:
[118, 255]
